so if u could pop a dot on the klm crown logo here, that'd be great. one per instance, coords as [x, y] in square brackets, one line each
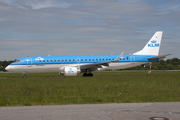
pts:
[70, 71]
[39, 58]
[153, 44]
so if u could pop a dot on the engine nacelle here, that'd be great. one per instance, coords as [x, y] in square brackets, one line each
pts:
[70, 71]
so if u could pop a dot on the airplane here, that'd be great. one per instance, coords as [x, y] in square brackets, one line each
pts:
[86, 64]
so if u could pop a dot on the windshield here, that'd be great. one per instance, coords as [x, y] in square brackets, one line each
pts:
[17, 61]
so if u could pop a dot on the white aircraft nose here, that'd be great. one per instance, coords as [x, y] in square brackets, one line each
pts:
[8, 68]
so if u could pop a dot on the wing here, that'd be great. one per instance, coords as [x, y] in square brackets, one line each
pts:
[94, 66]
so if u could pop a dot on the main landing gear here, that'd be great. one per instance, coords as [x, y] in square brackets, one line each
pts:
[87, 75]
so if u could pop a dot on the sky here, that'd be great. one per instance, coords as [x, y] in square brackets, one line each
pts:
[86, 27]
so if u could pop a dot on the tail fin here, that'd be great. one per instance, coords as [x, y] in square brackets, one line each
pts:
[153, 46]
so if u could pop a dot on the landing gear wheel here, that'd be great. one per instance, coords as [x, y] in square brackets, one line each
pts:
[85, 74]
[90, 74]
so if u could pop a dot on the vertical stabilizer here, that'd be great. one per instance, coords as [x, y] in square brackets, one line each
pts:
[153, 46]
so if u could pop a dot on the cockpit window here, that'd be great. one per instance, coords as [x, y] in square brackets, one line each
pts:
[18, 61]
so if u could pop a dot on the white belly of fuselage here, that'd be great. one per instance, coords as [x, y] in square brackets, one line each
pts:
[56, 67]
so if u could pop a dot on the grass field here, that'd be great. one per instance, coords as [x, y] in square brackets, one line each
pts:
[105, 87]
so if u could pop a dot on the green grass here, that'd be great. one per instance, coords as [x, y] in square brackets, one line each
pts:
[105, 87]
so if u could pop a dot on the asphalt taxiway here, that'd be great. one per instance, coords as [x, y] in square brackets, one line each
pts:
[112, 111]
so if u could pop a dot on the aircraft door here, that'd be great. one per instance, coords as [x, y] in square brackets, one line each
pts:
[29, 61]
[132, 59]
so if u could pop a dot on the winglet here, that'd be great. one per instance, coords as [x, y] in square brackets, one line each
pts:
[118, 58]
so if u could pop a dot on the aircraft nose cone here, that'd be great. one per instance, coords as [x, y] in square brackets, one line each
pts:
[8, 68]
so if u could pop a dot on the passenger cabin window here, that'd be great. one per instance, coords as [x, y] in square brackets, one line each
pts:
[39, 60]
[89, 59]
[58, 60]
[85, 59]
[77, 59]
[51, 60]
[109, 59]
[73, 60]
[43, 60]
[69, 60]
[54, 60]
[96, 59]
[47, 60]
[127, 58]
[62, 60]
[93, 59]
[81, 59]
[123, 58]
[66, 60]
[106, 59]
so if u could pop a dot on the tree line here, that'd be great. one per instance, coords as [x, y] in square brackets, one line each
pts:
[4, 64]
[169, 64]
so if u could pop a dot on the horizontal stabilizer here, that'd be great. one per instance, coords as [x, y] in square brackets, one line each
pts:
[160, 56]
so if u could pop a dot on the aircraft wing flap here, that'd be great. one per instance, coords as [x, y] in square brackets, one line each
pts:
[160, 56]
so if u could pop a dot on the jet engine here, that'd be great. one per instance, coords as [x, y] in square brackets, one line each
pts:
[69, 71]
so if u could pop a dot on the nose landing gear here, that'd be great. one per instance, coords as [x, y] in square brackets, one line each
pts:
[24, 73]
